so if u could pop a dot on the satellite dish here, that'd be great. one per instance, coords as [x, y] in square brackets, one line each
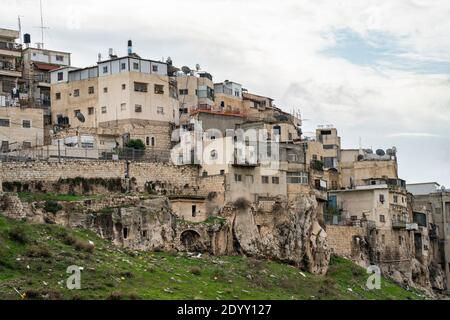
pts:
[80, 117]
[380, 152]
[197, 67]
[389, 152]
[369, 151]
[169, 61]
[186, 70]
[394, 150]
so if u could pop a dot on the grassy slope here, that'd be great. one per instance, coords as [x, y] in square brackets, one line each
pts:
[38, 267]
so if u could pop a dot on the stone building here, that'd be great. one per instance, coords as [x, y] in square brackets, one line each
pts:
[121, 98]
[437, 200]
[10, 67]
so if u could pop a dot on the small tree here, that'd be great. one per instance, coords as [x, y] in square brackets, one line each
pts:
[136, 144]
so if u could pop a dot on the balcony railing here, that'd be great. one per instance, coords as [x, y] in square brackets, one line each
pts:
[399, 224]
[10, 46]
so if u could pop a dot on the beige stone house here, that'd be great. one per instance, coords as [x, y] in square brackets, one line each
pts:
[121, 98]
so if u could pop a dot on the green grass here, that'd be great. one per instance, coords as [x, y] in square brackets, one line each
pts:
[32, 197]
[38, 264]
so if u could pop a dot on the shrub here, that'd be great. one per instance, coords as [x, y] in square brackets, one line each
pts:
[52, 206]
[83, 246]
[242, 204]
[136, 144]
[196, 270]
[38, 252]
[18, 234]
[115, 296]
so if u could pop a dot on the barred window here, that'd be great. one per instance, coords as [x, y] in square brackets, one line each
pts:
[297, 177]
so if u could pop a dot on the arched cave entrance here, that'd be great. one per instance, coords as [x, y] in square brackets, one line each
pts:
[191, 240]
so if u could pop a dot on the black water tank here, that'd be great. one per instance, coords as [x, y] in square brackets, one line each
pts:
[130, 43]
[26, 38]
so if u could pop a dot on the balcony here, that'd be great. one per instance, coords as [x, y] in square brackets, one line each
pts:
[10, 49]
[399, 224]
[8, 69]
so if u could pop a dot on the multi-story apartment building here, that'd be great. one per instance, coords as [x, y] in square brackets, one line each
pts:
[37, 64]
[195, 91]
[437, 199]
[10, 67]
[228, 97]
[122, 97]
[21, 125]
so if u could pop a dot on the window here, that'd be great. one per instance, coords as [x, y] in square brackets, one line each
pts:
[297, 178]
[103, 109]
[290, 137]
[105, 69]
[204, 173]
[237, 93]
[275, 180]
[5, 146]
[292, 157]
[382, 198]
[76, 92]
[155, 68]
[91, 90]
[147, 141]
[222, 172]
[59, 58]
[237, 177]
[105, 90]
[153, 141]
[76, 112]
[91, 110]
[124, 86]
[135, 66]
[123, 106]
[26, 145]
[4, 123]
[265, 179]
[383, 238]
[184, 92]
[26, 124]
[328, 146]
[58, 96]
[382, 218]
[194, 210]
[159, 89]
[137, 108]
[144, 234]
[60, 76]
[140, 87]
[125, 233]
[160, 110]
[123, 66]
[395, 199]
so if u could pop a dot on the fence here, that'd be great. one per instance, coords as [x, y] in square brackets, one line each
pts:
[61, 153]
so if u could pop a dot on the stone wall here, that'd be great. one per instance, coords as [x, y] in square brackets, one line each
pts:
[183, 179]
[341, 239]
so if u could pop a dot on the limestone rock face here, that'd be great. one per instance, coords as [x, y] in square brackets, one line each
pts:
[290, 233]
[148, 226]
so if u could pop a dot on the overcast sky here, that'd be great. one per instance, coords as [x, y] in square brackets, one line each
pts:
[377, 70]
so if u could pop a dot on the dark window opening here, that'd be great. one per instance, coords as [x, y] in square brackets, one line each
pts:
[125, 233]
[194, 210]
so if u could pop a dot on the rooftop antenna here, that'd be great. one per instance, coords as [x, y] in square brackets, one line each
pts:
[41, 44]
[20, 28]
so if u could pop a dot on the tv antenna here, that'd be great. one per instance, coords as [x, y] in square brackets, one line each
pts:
[42, 27]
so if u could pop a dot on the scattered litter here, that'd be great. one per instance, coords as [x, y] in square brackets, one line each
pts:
[45, 283]
[304, 275]
[350, 289]
[168, 290]
[28, 267]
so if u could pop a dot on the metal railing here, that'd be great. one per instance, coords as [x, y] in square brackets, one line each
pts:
[53, 153]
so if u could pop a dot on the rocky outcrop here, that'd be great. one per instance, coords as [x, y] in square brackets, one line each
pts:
[289, 233]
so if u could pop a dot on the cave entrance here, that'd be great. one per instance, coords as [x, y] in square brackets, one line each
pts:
[191, 240]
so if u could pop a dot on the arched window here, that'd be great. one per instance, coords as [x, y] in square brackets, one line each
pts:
[153, 141]
[147, 141]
